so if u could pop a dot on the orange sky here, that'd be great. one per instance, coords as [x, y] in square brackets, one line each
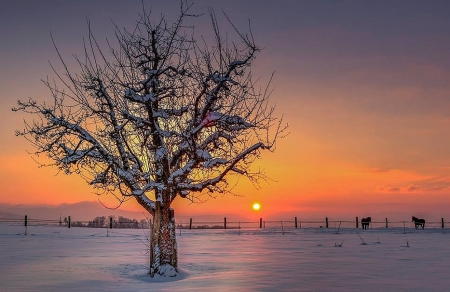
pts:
[365, 92]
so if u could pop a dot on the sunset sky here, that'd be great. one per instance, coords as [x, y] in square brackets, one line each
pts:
[364, 86]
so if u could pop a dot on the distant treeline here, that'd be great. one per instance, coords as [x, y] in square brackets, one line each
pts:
[104, 222]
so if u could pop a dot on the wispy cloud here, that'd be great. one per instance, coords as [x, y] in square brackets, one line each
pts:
[416, 188]
[383, 169]
[412, 188]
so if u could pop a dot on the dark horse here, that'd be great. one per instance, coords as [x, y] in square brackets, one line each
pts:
[418, 222]
[365, 222]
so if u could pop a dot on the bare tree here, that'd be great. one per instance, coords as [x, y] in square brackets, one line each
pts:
[163, 115]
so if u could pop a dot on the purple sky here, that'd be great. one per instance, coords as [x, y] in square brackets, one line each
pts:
[363, 84]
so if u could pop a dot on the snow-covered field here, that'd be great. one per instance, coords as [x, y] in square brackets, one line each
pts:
[85, 259]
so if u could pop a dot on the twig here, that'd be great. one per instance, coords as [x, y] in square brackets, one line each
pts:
[363, 242]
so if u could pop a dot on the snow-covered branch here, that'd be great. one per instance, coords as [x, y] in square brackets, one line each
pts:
[200, 186]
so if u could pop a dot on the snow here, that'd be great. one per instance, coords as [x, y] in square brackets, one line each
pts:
[160, 153]
[213, 162]
[133, 96]
[311, 259]
[182, 171]
[203, 154]
[237, 63]
[148, 201]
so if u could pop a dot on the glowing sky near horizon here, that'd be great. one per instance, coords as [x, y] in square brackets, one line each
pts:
[363, 85]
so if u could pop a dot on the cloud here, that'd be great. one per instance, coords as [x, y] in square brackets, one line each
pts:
[384, 189]
[383, 169]
[412, 188]
[422, 188]
[393, 189]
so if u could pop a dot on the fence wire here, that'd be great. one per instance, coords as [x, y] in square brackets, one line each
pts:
[225, 224]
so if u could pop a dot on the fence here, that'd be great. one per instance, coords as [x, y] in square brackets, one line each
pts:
[298, 224]
[68, 222]
[225, 224]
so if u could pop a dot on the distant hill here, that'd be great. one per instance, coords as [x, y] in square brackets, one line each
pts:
[6, 215]
[87, 211]
[82, 211]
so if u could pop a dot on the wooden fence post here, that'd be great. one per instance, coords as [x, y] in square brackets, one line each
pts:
[296, 225]
[442, 222]
[326, 222]
[225, 222]
[26, 224]
[69, 221]
[260, 222]
[110, 222]
[386, 223]
[190, 223]
[357, 226]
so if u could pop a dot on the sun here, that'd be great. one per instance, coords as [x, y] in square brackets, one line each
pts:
[256, 206]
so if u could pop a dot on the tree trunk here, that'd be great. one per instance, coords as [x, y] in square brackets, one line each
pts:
[163, 245]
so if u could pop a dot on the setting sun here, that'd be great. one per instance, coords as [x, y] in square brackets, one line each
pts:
[256, 206]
